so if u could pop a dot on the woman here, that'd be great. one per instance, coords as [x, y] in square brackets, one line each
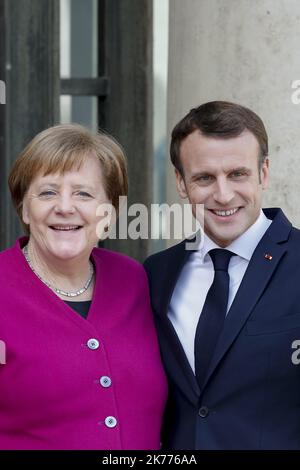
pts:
[82, 368]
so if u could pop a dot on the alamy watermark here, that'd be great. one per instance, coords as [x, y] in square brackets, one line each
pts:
[2, 92]
[2, 352]
[158, 221]
[296, 354]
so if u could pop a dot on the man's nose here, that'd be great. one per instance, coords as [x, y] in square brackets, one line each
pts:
[223, 193]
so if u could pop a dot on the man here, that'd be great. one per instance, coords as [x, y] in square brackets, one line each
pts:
[228, 332]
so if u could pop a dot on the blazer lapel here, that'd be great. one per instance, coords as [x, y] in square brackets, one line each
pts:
[255, 280]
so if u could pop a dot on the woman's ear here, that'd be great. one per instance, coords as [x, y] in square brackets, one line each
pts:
[25, 212]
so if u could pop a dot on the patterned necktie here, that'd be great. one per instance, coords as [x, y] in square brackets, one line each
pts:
[213, 313]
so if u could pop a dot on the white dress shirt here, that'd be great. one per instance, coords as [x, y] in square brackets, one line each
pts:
[197, 276]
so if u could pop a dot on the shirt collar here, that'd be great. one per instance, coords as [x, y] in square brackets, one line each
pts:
[245, 244]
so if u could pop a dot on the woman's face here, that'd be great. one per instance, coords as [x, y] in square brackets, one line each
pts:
[60, 210]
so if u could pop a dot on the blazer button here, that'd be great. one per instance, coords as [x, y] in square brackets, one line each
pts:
[93, 343]
[203, 412]
[110, 421]
[105, 381]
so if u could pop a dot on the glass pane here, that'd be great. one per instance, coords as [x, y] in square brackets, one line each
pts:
[78, 38]
[80, 109]
[79, 57]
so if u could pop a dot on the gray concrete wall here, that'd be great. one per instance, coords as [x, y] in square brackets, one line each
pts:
[245, 51]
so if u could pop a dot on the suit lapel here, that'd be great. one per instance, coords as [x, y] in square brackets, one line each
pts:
[184, 375]
[175, 265]
[189, 386]
[255, 280]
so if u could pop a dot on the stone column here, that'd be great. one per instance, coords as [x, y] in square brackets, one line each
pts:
[246, 51]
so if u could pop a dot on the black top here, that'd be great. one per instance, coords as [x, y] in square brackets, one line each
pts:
[80, 307]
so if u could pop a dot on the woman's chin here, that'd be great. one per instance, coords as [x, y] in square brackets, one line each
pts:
[67, 252]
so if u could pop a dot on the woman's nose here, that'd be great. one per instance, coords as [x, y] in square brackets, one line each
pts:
[65, 205]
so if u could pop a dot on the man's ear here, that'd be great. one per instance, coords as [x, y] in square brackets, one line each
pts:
[180, 183]
[264, 174]
[25, 212]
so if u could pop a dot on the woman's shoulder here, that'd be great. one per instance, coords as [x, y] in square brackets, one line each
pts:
[8, 254]
[117, 261]
[8, 259]
[115, 257]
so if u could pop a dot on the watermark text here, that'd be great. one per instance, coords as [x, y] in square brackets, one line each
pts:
[2, 92]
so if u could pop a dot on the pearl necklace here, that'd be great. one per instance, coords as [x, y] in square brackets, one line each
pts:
[60, 291]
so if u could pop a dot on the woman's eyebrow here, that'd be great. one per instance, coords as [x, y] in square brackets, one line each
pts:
[80, 186]
[56, 185]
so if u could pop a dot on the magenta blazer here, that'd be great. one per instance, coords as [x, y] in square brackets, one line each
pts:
[71, 383]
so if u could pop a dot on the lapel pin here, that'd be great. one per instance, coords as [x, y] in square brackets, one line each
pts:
[268, 257]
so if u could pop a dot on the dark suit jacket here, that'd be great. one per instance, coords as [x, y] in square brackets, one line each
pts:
[251, 395]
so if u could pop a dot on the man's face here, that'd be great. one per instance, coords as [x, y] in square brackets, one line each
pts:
[223, 175]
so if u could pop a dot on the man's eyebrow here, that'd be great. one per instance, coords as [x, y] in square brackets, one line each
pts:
[241, 169]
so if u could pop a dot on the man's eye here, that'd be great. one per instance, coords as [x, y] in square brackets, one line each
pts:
[238, 174]
[204, 178]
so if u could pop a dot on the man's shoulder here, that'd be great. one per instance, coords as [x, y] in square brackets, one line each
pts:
[295, 234]
[162, 258]
[280, 222]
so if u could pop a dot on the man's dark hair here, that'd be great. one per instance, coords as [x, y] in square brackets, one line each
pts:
[219, 119]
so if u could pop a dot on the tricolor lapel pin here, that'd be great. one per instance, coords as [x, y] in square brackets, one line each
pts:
[268, 256]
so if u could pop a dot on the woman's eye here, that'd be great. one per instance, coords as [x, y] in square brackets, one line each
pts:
[84, 194]
[47, 193]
